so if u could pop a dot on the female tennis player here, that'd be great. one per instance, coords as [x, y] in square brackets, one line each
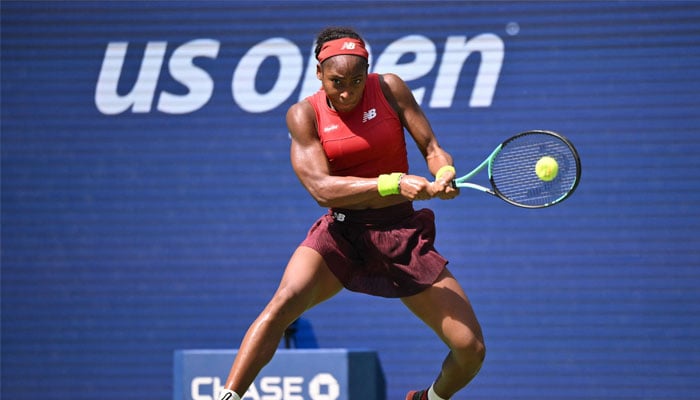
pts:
[348, 150]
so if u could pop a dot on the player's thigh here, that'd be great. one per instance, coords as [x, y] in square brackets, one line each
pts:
[307, 280]
[447, 310]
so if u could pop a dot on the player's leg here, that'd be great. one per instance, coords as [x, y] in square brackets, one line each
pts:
[307, 281]
[447, 310]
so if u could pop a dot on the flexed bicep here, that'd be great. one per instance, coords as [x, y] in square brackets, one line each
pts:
[306, 152]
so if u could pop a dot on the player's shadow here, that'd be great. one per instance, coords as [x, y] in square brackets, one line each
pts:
[300, 335]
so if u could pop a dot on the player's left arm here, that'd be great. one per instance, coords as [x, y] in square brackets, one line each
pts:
[413, 118]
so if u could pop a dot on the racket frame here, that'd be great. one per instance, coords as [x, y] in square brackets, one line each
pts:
[462, 182]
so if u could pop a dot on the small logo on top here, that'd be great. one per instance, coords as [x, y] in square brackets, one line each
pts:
[369, 115]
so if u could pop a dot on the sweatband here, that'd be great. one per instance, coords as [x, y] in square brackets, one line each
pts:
[340, 46]
[388, 184]
[444, 169]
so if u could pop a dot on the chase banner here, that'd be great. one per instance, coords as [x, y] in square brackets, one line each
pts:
[315, 374]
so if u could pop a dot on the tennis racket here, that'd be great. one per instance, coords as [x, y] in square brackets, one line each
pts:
[533, 169]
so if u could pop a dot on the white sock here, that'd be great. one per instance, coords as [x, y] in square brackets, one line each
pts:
[226, 394]
[432, 395]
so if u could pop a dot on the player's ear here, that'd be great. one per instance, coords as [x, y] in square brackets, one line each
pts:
[319, 71]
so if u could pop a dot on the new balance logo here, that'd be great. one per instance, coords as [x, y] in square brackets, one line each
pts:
[338, 216]
[369, 115]
[348, 46]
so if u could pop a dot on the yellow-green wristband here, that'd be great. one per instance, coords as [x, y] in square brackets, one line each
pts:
[388, 184]
[444, 169]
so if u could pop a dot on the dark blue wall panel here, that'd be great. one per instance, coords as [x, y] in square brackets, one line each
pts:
[131, 230]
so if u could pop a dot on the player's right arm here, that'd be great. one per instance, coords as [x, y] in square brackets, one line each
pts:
[311, 166]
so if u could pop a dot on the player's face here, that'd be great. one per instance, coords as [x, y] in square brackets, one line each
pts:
[343, 79]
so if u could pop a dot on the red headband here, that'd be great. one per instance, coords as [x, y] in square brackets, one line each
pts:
[342, 46]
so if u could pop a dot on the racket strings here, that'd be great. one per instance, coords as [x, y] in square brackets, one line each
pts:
[513, 175]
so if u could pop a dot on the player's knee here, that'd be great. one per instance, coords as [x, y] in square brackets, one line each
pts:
[284, 307]
[471, 352]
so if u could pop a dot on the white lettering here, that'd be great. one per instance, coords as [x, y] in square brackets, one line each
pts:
[251, 394]
[292, 386]
[271, 385]
[412, 57]
[243, 85]
[140, 97]
[330, 128]
[457, 50]
[197, 81]
[424, 56]
[197, 383]
[324, 387]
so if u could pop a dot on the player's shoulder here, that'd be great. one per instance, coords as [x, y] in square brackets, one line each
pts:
[393, 83]
[395, 90]
[389, 81]
[301, 121]
[301, 112]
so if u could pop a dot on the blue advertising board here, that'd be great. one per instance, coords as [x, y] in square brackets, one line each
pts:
[315, 374]
[148, 202]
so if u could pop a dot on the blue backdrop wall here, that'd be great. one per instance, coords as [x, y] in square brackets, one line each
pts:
[148, 203]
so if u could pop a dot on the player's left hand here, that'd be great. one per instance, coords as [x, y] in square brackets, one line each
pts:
[442, 188]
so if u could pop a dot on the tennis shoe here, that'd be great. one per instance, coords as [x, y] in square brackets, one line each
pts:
[417, 395]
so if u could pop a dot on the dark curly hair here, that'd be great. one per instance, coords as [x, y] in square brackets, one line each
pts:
[333, 33]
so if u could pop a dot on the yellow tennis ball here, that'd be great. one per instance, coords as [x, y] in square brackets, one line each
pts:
[547, 168]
